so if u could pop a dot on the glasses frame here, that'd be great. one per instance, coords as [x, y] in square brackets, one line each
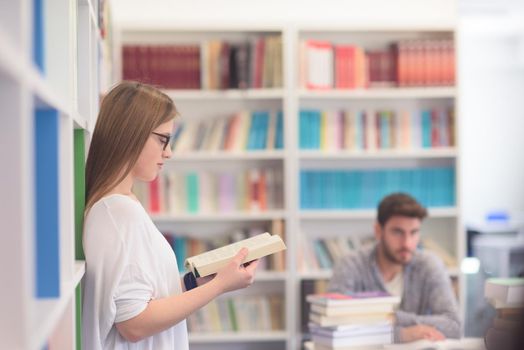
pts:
[167, 139]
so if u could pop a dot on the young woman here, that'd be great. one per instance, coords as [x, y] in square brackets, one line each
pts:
[133, 295]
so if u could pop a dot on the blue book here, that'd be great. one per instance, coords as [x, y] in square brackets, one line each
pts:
[426, 128]
[180, 249]
[192, 180]
[47, 227]
[317, 194]
[279, 140]
[251, 134]
[339, 185]
[351, 199]
[303, 194]
[322, 254]
[38, 35]
[302, 129]
[316, 117]
[264, 124]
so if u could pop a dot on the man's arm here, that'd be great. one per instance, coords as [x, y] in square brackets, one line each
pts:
[441, 303]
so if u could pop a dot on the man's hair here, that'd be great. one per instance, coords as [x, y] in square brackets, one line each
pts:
[399, 204]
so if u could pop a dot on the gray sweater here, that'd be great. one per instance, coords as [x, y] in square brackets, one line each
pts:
[427, 296]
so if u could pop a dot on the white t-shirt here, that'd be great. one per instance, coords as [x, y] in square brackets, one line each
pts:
[396, 285]
[128, 263]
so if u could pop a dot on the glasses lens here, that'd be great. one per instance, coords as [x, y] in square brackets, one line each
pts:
[166, 141]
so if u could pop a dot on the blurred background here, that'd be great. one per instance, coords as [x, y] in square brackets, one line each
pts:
[296, 117]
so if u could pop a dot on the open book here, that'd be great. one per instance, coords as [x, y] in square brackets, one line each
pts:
[210, 262]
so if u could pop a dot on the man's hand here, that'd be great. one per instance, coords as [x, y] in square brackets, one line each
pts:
[420, 331]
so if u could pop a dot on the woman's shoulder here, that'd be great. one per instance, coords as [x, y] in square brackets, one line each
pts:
[118, 207]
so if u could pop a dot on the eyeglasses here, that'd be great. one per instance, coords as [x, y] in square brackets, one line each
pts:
[165, 139]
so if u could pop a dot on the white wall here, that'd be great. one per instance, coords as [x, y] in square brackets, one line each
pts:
[491, 114]
[199, 11]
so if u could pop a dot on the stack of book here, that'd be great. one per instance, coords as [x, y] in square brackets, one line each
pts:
[359, 320]
[507, 297]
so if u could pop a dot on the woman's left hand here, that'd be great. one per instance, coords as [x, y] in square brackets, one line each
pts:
[203, 280]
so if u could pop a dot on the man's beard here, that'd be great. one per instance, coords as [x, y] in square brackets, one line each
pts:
[388, 254]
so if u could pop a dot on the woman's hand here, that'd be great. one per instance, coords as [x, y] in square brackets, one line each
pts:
[204, 280]
[236, 275]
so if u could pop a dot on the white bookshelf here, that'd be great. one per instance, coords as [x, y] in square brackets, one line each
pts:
[381, 93]
[447, 152]
[27, 321]
[301, 224]
[326, 274]
[218, 217]
[443, 224]
[232, 337]
[370, 214]
[229, 94]
[208, 156]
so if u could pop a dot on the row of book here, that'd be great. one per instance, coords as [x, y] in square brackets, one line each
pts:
[261, 130]
[239, 314]
[363, 189]
[338, 321]
[376, 129]
[324, 253]
[414, 62]
[210, 192]
[214, 64]
[185, 244]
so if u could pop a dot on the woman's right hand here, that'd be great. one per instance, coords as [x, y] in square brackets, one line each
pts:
[235, 275]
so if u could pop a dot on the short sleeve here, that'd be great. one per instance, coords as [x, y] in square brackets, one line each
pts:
[133, 293]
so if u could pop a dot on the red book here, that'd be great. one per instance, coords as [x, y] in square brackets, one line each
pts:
[344, 66]
[262, 190]
[435, 126]
[224, 66]
[259, 63]
[154, 196]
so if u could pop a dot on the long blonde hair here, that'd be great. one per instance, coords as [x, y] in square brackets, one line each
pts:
[128, 115]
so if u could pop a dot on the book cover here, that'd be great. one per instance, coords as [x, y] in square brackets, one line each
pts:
[506, 290]
[337, 299]
[210, 262]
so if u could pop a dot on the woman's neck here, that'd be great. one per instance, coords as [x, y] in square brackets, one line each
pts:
[124, 187]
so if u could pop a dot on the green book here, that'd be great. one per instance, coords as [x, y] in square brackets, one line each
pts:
[80, 185]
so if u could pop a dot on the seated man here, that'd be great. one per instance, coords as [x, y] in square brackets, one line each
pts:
[428, 307]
